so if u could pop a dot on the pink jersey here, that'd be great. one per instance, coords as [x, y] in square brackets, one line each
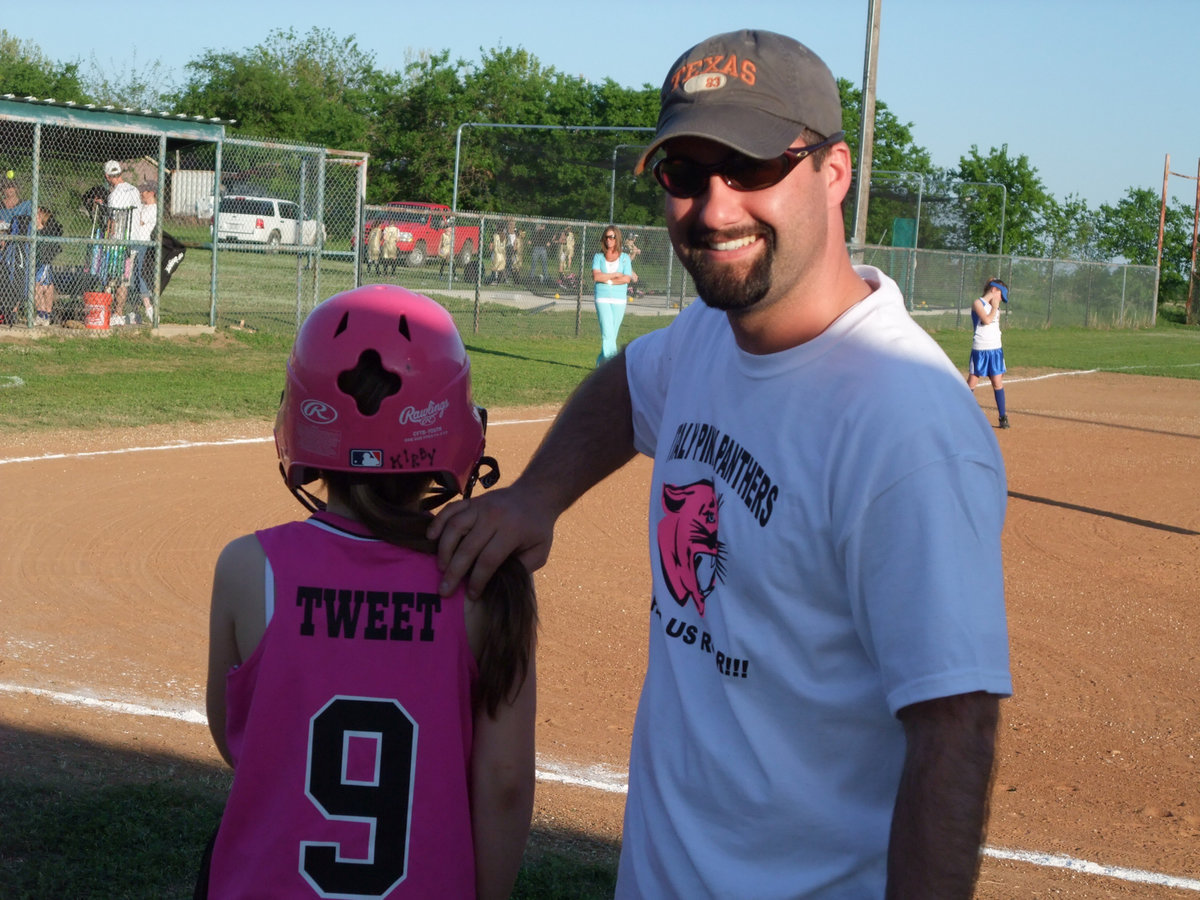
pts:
[350, 728]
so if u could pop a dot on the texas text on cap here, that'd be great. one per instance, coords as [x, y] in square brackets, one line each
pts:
[754, 91]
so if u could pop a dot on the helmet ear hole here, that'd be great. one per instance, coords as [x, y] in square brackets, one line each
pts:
[369, 383]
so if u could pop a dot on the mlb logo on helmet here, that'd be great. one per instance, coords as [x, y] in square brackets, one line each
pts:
[366, 459]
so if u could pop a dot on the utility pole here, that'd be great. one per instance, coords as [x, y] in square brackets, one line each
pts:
[866, 129]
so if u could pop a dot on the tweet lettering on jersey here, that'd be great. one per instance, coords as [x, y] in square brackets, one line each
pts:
[368, 615]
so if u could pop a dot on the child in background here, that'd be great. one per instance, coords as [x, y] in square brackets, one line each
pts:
[381, 738]
[43, 285]
[987, 353]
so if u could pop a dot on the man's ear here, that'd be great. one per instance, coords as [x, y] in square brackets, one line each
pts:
[839, 172]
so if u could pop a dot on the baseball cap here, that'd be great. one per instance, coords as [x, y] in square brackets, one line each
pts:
[111, 168]
[148, 186]
[753, 91]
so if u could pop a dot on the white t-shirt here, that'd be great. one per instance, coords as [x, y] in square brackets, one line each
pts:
[825, 547]
[144, 219]
[123, 196]
[123, 201]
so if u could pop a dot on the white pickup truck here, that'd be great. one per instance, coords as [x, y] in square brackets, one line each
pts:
[267, 221]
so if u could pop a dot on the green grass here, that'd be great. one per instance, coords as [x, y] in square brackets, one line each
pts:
[71, 836]
[121, 841]
[1167, 350]
[132, 379]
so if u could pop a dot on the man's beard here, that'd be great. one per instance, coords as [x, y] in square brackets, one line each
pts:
[731, 288]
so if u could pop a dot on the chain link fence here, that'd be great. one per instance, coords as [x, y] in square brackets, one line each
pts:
[940, 287]
[129, 217]
[275, 239]
[72, 223]
[250, 233]
[518, 274]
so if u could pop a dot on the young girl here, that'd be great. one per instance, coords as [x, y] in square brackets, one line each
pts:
[43, 286]
[381, 737]
[987, 354]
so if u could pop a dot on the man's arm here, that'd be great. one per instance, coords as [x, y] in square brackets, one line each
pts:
[942, 805]
[590, 439]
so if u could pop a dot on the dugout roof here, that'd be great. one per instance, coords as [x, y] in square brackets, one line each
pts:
[115, 133]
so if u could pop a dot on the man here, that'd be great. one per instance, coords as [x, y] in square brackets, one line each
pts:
[827, 633]
[123, 201]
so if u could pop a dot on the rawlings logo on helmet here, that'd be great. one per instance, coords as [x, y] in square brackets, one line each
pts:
[426, 416]
[318, 412]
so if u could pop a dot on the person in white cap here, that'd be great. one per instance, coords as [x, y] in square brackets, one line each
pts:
[828, 640]
[123, 201]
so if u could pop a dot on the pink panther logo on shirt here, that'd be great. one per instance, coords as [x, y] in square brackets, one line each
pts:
[426, 416]
[691, 554]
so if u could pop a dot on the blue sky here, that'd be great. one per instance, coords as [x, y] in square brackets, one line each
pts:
[1094, 93]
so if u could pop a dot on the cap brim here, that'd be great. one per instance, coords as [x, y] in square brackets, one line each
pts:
[741, 128]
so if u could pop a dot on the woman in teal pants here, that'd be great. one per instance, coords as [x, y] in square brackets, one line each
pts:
[612, 272]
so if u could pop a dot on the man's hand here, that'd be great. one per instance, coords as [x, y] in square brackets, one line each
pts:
[590, 439]
[475, 536]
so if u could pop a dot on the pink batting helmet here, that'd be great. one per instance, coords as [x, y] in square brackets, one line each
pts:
[426, 422]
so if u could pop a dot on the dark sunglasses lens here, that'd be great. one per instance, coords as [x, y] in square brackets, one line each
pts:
[683, 178]
[680, 178]
[755, 174]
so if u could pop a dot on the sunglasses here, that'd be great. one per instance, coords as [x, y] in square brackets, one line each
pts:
[684, 178]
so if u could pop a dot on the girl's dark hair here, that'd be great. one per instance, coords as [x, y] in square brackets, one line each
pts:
[388, 505]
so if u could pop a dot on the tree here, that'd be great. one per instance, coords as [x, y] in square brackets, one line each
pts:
[515, 170]
[899, 168]
[1070, 229]
[316, 89]
[26, 72]
[1129, 230]
[128, 83]
[1024, 201]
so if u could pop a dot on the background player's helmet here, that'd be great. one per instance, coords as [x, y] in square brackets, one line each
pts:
[422, 421]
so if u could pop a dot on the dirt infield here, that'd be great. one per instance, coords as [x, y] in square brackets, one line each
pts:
[108, 557]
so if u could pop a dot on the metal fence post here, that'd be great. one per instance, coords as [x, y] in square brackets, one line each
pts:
[1050, 299]
[579, 286]
[216, 223]
[1124, 278]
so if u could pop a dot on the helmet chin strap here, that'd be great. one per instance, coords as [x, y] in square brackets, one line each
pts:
[443, 491]
[309, 501]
